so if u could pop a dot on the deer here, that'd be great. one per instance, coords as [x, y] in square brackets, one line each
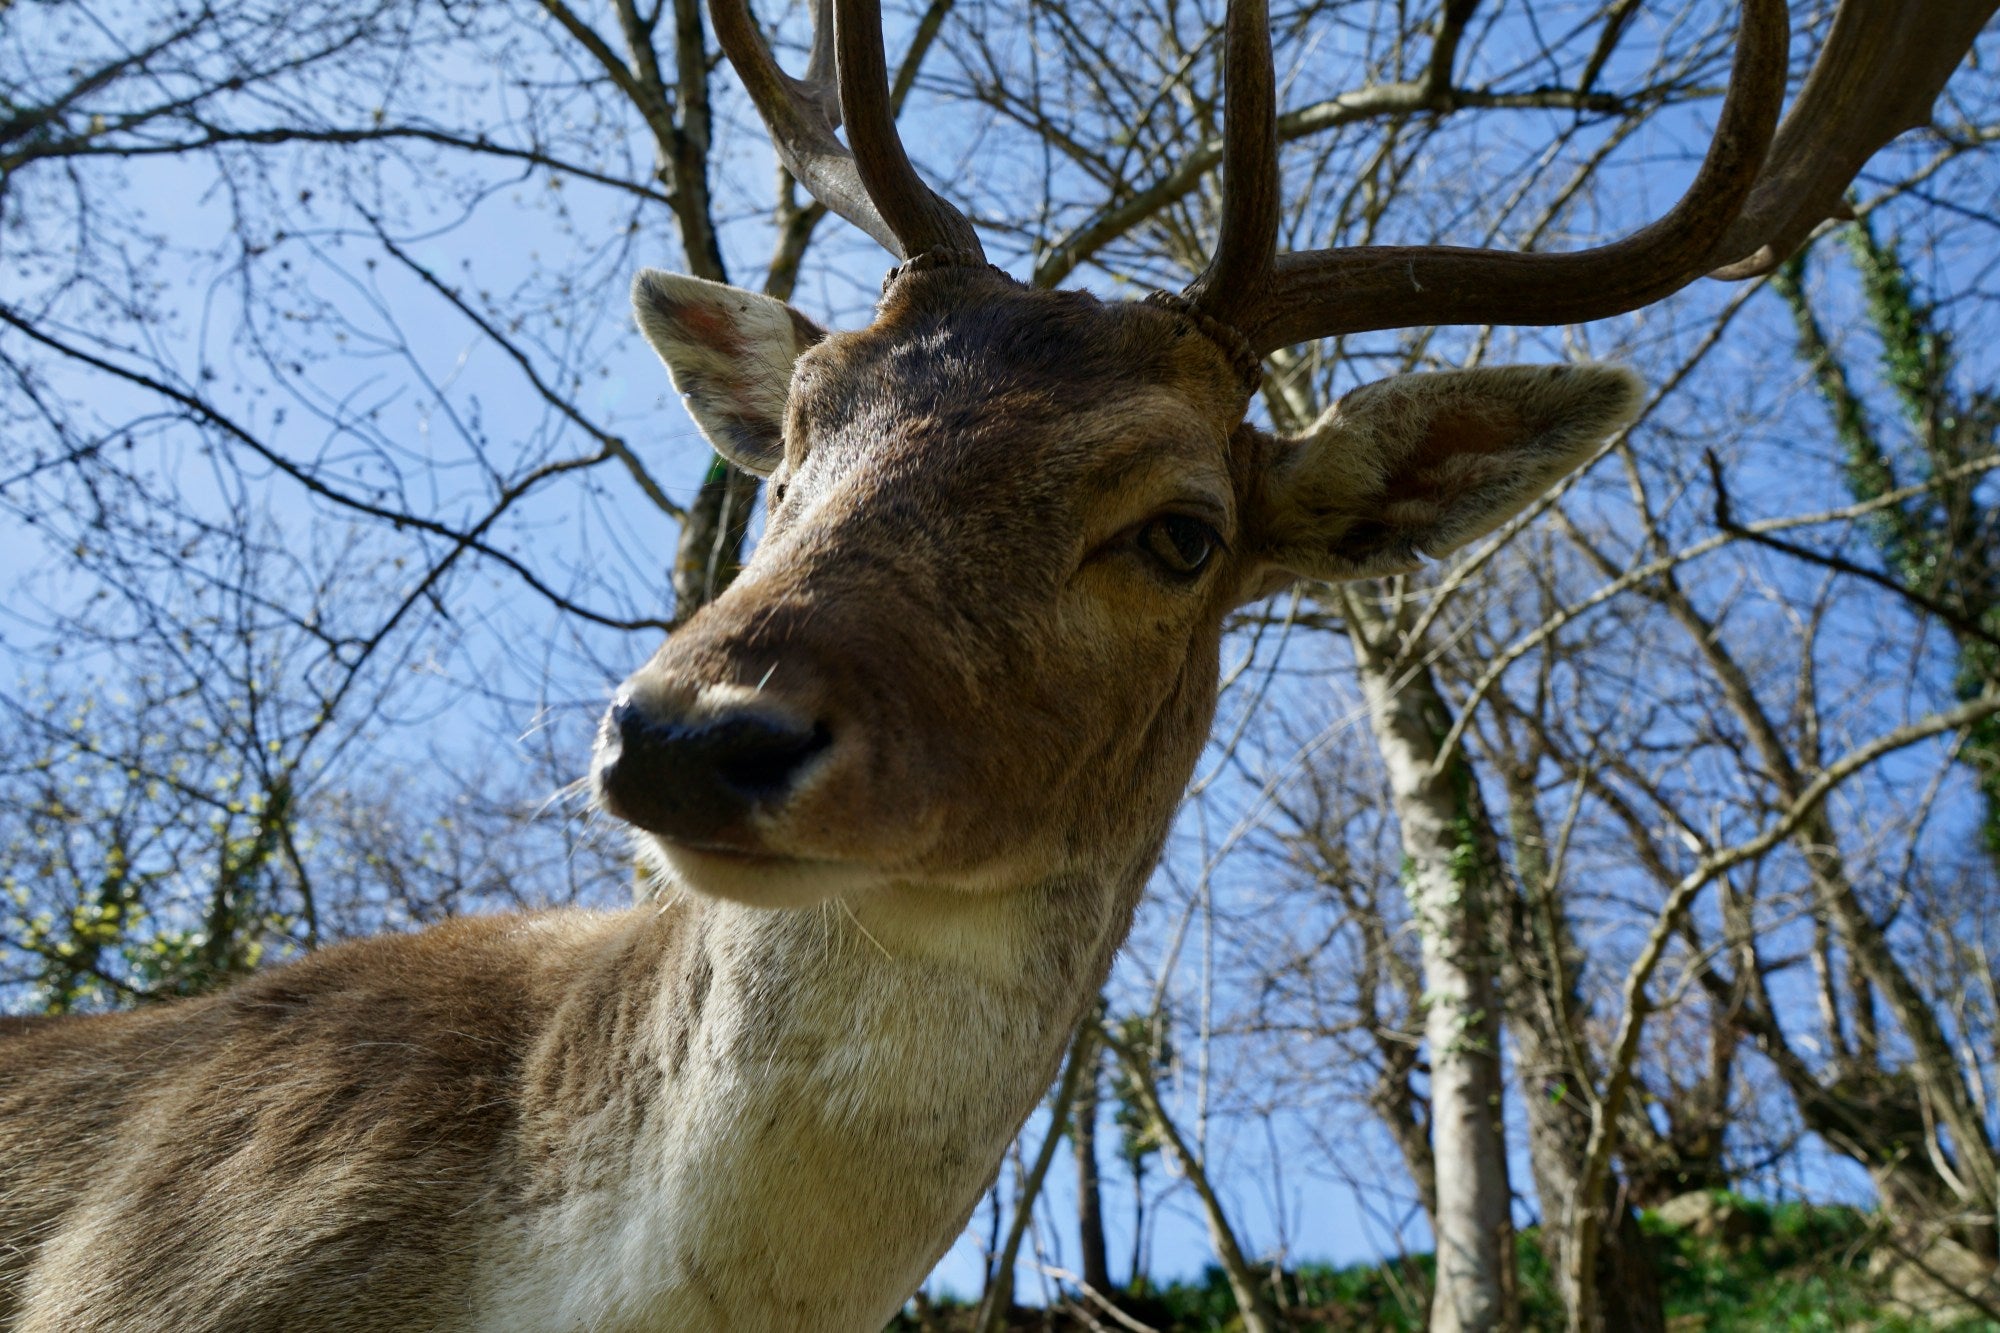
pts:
[901, 786]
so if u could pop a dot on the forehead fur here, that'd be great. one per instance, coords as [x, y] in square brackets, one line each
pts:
[947, 338]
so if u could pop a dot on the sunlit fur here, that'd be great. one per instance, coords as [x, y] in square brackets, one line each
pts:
[770, 1100]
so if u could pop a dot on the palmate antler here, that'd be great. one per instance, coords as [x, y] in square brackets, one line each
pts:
[1761, 188]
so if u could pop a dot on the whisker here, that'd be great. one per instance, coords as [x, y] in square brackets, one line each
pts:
[863, 929]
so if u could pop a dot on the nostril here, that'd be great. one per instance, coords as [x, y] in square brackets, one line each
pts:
[635, 726]
[760, 759]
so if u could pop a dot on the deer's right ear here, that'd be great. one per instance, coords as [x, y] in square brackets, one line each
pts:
[1419, 465]
[730, 353]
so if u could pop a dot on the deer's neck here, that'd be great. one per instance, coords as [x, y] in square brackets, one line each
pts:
[815, 1102]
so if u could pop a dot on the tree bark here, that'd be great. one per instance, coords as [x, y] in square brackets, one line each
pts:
[710, 551]
[1450, 879]
[1089, 1185]
[1551, 1058]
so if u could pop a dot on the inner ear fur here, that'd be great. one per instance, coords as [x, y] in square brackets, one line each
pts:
[730, 353]
[1421, 464]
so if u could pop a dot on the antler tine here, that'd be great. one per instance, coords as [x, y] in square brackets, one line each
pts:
[873, 185]
[1883, 66]
[801, 115]
[1321, 293]
[918, 217]
[1235, 277]
[820, 74]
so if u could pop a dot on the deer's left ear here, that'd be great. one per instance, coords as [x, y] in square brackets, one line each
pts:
[730, 353]
[1422, 464]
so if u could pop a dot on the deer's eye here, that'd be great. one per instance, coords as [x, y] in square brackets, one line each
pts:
[1182, 545]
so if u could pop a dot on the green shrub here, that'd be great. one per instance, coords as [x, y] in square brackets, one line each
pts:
[1794, 1268]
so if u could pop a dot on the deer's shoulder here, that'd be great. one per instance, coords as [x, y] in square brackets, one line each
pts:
[330, 1135]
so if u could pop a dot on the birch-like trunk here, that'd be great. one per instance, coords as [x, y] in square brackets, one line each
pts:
[1451, 881]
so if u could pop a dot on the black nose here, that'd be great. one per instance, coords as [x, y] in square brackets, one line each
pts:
[697, 780]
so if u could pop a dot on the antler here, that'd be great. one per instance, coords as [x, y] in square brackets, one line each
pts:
[1249, 236]
[873, 185]
[1744, 201]
[1882, 68]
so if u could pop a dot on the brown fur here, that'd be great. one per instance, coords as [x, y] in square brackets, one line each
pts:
[321, 1146]
[955, 488]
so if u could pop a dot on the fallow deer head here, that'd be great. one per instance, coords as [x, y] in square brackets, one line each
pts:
[978, 643]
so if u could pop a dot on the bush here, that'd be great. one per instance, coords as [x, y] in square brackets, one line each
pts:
[1787, 1268]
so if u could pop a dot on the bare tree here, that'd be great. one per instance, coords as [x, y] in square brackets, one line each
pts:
[1939, 544]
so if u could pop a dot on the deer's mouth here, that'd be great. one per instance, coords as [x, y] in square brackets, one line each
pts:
[726, 853]
[757, 877]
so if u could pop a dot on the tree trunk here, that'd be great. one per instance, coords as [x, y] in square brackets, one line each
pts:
[710, 550]
[1551, 1058]
[1089, 1187]
[1450, 879]
[1135, 1272]
[1396, 1103]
